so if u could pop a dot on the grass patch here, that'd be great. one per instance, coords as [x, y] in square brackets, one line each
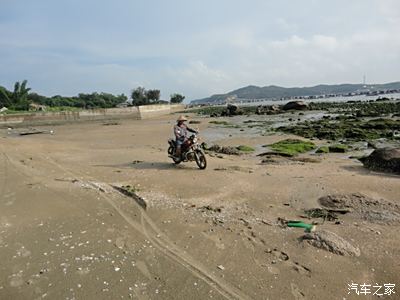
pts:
[245, 148]
[224, 123]
[322, 149]
[291, 147]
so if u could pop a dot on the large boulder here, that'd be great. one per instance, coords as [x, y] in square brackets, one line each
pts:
[295, 105]
[260, 110]
[384, 159]
[232, 110]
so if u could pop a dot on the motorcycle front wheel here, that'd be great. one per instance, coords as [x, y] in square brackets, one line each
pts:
[200, 159]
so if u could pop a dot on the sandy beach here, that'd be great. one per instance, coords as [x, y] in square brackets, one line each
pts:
[66, 232]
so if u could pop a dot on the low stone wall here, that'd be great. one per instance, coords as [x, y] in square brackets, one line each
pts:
[177, 107]
[151, 111]
[49, 118]
[43, 118]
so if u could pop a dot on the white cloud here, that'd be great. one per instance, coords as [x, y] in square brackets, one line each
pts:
[390, 9]
[293, 41]
[286, 25]
[328, 43]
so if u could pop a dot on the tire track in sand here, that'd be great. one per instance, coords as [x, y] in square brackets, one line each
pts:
[162, 242]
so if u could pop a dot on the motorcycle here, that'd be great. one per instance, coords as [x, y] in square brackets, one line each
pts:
[191, 151]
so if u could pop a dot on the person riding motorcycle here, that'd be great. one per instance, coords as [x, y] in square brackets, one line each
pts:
[181, 132]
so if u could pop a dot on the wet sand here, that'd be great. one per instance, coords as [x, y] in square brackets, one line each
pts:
[66, 233]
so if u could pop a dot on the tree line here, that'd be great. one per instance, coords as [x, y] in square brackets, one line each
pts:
[21, 98]
[141, 96]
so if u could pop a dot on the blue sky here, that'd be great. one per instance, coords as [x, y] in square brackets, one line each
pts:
[196, 48]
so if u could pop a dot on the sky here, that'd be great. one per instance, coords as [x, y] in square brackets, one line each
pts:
[196, 48]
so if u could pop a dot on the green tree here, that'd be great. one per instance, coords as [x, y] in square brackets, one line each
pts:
[177, 98]
[39, 99]
[139, 96]
[5, 97]
[18, 99]
[153, 96]
[20, 96]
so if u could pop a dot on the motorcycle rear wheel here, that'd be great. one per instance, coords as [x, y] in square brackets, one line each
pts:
[171, 152]
[176, 160]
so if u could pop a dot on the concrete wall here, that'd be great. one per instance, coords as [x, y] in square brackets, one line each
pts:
[177, 107]
[39, 118]
[151, 111]
[43, 118]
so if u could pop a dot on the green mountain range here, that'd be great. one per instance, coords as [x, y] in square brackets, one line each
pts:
[277, 92]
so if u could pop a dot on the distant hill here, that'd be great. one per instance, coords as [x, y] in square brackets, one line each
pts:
[277, 92]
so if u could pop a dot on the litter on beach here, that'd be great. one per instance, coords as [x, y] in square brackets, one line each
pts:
[300, 224]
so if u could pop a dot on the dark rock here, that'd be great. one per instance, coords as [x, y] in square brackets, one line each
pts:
[338, 148]
[296, 105]
[384, 159]
[231, 110]
[274, 153]
[210, 209]
[224, 150]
